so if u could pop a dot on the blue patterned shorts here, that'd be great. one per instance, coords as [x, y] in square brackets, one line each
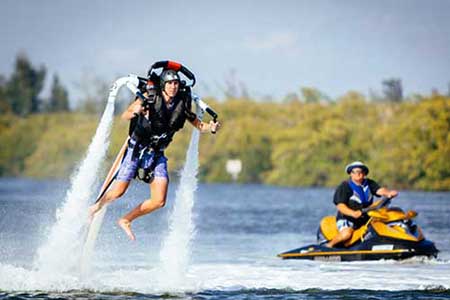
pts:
[130, 165]
[344, 223]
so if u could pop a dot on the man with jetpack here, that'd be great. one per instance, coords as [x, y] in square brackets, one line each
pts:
[161, 110]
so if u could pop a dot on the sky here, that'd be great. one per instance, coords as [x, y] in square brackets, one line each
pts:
[272, 47]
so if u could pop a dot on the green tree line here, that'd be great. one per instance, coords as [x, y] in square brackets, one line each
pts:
[406, 144]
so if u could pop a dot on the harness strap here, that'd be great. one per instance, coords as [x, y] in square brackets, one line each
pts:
[148, 174]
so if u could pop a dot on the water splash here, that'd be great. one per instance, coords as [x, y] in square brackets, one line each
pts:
[60, 254]
[176, 250]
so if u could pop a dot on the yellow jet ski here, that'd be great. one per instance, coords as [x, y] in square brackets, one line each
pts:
[390, 233]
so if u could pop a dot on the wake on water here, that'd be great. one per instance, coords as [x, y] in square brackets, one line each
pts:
[276, 275]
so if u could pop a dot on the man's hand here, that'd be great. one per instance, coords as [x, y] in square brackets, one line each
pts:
[214, 126]
[356, 214]
[392, 194]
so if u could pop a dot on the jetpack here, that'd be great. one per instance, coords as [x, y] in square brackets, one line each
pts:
[137, 85]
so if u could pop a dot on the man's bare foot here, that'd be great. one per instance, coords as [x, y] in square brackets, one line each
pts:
[126, 226]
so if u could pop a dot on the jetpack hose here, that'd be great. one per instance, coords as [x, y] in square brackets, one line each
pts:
[205, 107]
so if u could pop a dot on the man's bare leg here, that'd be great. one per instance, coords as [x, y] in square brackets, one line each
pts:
[342, 236]
[158, 190]
[118, 189]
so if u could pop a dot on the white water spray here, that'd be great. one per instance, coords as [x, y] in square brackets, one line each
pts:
[176, 250]
[60, 254]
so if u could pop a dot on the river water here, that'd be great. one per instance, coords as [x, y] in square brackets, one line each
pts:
[239, 230]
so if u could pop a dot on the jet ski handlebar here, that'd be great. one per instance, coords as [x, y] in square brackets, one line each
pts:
[384, 202]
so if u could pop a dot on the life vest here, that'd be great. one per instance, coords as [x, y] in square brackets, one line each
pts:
[158, 130]
[361, 193]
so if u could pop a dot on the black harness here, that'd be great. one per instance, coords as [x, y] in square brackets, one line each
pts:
[154, 129]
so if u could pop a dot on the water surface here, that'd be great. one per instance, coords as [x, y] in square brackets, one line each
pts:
[239, 231]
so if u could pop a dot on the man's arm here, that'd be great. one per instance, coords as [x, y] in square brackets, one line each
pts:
[380, 191]
[205, 127]
[134, 108]
[345, 210]
[386, 192]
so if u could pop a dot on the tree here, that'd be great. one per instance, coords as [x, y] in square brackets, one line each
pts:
[291, 97]
[24, 87]
[59, 100]
[4, 103]
[393, 90]
[313, 95]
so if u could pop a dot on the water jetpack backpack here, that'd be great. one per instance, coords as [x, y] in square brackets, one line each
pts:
[155, 128]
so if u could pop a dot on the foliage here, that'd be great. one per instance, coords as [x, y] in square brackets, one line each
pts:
[61, 145]
[406, 144]
[59, 99]
[5, 106]
[393, 90]
[20, 94]
[19, 138]
[24, 87]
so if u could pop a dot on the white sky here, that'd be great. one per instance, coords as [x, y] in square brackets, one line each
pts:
[274, 47]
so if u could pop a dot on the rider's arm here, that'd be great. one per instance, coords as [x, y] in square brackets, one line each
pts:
[345, 210]
[380, 191]
[134, 108]
[386, 192]
[204, 127]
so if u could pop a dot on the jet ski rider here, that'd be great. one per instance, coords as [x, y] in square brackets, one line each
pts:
[353, 195]
[151, 131]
